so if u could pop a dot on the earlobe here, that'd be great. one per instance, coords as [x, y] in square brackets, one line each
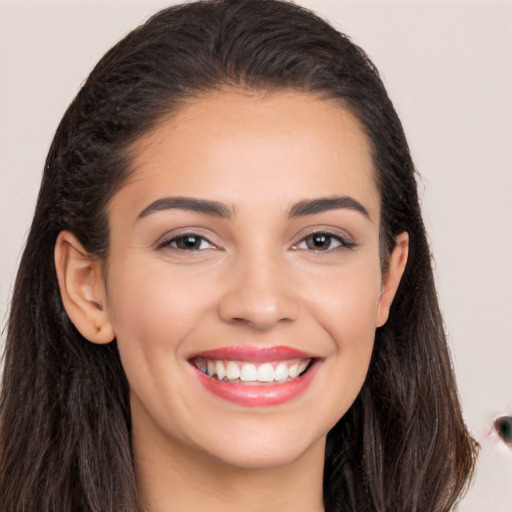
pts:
[82, 289]
[391, 279]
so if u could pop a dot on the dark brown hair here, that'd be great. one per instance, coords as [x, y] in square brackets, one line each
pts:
[64, 409]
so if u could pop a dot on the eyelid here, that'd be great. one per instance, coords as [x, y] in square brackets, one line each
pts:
[166, 240]
[345, 240]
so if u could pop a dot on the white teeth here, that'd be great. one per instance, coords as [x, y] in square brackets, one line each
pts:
[281, 372]
[232, 371]
[266, 373]
[293, 371]
[220, 370]
[253, 372]
[248, 373]
[303, 366]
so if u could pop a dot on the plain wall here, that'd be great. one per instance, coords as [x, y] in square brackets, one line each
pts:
[448, 68]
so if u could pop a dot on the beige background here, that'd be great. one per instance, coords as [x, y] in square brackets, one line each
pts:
[448, 67]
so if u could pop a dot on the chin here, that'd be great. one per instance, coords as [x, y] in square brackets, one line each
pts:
[265, 447]
[262, 458]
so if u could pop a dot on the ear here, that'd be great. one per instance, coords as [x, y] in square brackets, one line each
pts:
[391, 279]
[82, 289]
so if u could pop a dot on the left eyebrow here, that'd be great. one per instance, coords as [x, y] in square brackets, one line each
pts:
[323, 204]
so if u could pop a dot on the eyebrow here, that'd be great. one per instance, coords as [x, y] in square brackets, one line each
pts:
[192, 204]
[313, 206]
[218, 209]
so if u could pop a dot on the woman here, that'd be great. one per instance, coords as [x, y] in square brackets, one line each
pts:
[226, 299]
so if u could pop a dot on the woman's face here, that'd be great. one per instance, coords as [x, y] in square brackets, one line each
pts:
[246, 243]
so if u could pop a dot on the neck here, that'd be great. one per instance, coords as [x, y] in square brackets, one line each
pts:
[172, 477]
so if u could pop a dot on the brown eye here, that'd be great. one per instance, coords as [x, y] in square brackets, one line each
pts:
[322, 241]
[319, 241]
[188, 242]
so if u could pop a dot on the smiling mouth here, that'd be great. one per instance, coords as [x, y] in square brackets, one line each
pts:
[253, 373]
[255, 376]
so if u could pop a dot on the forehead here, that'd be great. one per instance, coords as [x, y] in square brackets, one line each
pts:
[238, 146]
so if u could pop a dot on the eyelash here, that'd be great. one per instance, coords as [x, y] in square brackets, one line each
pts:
[172, 243]
[344, 243]
[168, 242]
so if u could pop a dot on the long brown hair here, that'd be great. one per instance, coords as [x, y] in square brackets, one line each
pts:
[64, 408]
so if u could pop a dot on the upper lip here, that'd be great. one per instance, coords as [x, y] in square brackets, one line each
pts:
[253, 354]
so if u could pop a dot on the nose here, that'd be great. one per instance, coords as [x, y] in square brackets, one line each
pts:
[259, 295]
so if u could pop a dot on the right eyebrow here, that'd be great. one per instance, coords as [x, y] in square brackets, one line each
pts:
[192, 204]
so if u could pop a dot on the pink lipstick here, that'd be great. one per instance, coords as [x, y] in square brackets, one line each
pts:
[255, 376]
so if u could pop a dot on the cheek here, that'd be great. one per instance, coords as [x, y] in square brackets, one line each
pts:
[153, 310]
[346, 303]
[346, 307]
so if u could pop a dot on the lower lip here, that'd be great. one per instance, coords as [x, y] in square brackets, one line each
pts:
[257, 395]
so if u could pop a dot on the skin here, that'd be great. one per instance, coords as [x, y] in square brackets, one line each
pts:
[254, 281]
